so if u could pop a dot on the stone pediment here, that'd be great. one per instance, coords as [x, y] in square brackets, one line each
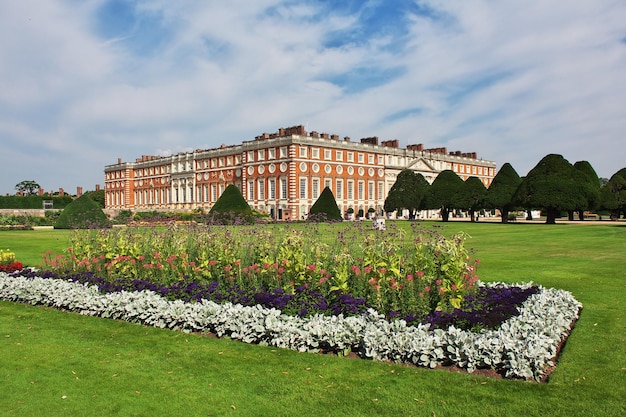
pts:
[420, 165]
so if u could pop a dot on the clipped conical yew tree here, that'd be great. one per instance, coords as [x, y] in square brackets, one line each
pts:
[231, 208]
[82, 213]
[325, 208]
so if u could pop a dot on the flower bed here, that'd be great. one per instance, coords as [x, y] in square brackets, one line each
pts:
[524, 346]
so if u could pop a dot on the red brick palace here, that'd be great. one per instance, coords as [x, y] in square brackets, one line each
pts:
[282, 173]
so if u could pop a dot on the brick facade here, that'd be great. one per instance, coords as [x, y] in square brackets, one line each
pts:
[282, 173]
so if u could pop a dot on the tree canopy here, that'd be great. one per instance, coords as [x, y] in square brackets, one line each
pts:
[501, 191]
[553, 186]
[589, 187]
[29, 187]
[446, 193]
[408, 192]
[613, 194]
[474, 193]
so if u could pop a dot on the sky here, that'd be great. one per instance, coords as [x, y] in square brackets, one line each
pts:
[85, 82]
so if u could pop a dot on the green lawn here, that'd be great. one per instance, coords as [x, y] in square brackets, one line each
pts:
[57, 363]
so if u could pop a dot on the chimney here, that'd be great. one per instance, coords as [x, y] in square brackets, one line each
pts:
[79, 191]
[40, 192]
[61, 192]
[97, 187]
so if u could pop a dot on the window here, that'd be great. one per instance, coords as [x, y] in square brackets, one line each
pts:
[350, 190]
[381, 160]
[250, 156]
[339, 189]
[237, 159]
[303, 152]
[261, 154]
[350, 156]
[213, 192]
[283, 187]
[339, 155]
[370, 190]
[328, 183]
[315, 153]
[315, 188]
[221, 162]
[360, 191]
[370, 159]
[361, 158]
[380, 190]
[229, 161]
[271, 153]
[327, 154]
[272, 185]
[283, 152]
[302, 188]
[261, 189]
[250, 190]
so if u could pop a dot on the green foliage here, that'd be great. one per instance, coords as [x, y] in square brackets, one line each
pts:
[433, 272]
[501, 191]
[613, 194]
[408, 192]
[589, 188]
[553, 186]
[28, 187]
[446, 193]
[325, 207]
[97, 196]
[231, 208]
[474, 194]
[34, 202]
[82, 213]
[231, 200]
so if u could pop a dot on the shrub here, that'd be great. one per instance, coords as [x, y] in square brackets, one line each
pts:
[82, 213]
[325, 208]
[231, 208]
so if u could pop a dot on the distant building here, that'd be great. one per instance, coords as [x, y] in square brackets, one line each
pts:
[282, 173]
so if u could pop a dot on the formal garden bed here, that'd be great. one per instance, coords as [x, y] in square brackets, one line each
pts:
[376, 295]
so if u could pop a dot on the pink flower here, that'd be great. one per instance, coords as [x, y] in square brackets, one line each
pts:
[409, 278]
[427, 288]
[356, 270]
[420, 273]
[438, 282]
[312, 267]
[367, 269]
[212, 262]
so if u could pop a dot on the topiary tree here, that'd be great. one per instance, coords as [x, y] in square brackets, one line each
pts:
[590, 189]
[474, 193]
[231, 208]
[82, 213]
[325, 207]
[553, 186]
[446, 193]
[501, 191]
[408, 192]
[613, 194]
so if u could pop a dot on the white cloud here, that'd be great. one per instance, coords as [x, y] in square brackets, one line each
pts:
[510, 80]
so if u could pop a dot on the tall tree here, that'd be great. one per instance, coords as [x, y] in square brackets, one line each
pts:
[589, 187]
[474, 193]
[501, 191]
[446, 193]
[407, 192]
[552, 185]
[27, 187]
[613, 194]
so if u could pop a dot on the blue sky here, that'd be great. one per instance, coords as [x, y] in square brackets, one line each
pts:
[83, 82]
